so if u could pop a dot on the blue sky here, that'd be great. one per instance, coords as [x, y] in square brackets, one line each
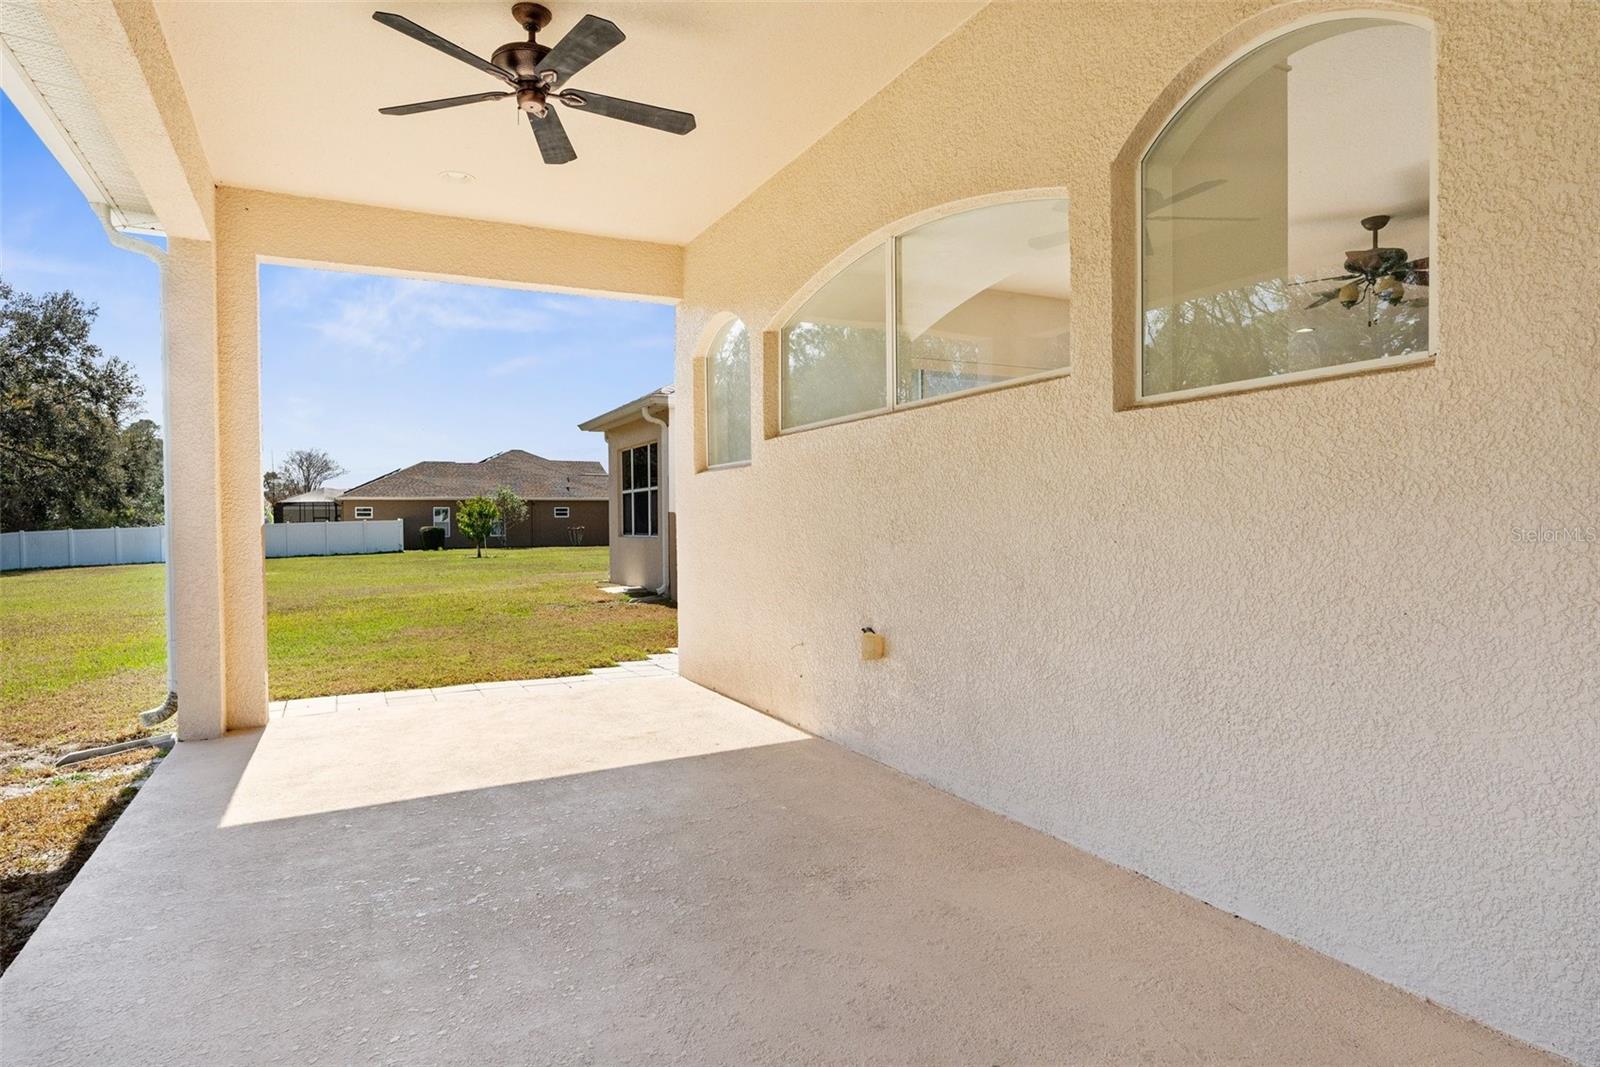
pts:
[379, 371]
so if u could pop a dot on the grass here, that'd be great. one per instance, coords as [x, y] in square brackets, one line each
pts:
[85, 651]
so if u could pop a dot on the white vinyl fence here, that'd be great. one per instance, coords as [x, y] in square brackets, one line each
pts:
[36, 549]
[333, 538]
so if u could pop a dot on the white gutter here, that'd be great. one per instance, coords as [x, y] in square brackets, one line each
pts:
[662, 473]
[169, 707]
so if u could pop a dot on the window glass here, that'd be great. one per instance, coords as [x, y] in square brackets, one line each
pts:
[835, 348]
[1286, 207]
[728, 396]
[982, 297]
[639, 492]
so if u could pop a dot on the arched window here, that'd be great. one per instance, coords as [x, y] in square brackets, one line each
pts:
[967, 301]
[1286, 214]
[728, 396]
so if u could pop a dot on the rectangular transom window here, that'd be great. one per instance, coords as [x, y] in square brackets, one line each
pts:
[1285, 216]
[563, 513]
[979, 298]
[363, 513]
[640, 491]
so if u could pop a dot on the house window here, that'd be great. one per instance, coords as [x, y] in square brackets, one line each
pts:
[441, 518]
[498, 529]
[728, 396]
[563, 513]
[640, 491]
[1285, 218]
[977, 299]
[363, 513]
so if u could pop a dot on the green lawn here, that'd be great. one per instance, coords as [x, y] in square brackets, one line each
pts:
[84, 651]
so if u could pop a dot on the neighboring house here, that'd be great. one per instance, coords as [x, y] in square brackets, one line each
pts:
[643, 541]
[567, 499]
[319, 505]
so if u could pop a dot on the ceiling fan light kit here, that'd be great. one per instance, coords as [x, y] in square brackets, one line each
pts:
[1375, 274]
[537, 74]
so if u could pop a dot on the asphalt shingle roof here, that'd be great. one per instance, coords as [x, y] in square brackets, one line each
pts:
[533, 477]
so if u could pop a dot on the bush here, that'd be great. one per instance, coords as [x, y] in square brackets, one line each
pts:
[432, 537]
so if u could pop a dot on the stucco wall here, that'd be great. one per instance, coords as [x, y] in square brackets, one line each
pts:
[635, 561]
[1285, 651]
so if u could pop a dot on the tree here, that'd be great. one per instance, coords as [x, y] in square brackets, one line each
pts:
[306, 469]
[476, 519]
[275, 487]
[66, 458]
[511, 508]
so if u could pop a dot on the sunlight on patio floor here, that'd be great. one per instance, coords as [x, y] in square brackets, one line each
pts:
[634, 868]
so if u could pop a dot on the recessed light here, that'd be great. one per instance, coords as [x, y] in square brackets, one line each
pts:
[1306, 329]
[459, 177]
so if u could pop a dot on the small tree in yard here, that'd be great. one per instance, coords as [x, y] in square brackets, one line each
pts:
[511, 508]
[476, 518]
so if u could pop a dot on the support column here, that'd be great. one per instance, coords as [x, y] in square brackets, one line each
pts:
[244, 589]
[194, 541]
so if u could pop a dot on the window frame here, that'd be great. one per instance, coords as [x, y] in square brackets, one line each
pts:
[562, 512]
[651, 490]
[888, 243]
[445, 523]
[366, 508]
[1313, 374]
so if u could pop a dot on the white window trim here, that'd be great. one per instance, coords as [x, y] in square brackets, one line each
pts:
[365, 508]
[888, 239]
[1339, 370]
[623, 494]
[750, 365]
[562, 512]
[445, 523]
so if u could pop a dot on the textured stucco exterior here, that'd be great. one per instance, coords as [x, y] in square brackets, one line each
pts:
[1285, 651]
[635, 561]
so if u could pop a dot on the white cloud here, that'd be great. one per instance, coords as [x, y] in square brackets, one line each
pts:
[393, 317]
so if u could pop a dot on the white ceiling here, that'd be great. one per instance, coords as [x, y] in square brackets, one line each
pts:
[286, 98]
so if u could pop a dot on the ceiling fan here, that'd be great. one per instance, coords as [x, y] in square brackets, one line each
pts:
[1155, 200]
[1375, 275]
[538, 73]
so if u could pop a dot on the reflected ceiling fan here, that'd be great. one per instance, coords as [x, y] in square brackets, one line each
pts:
[1155, 200]
[1375, 275]
[538, 73]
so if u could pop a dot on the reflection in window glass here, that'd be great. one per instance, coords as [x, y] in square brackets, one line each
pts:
[835, 348]
[1261, 202]
[728, 396]
[982, 297]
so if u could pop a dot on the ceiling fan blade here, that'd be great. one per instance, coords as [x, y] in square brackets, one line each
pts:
[586, 42]
[554, 145]
[1203, 218]
[1047, 240]
[1155, 201]
[1330, 278]
[657, 118]
[433, 40]
[435, 105]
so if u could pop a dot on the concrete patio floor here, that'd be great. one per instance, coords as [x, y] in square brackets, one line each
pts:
[628, 868]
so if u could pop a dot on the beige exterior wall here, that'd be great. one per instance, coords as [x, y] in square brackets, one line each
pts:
[635, 561]
[1279, 650]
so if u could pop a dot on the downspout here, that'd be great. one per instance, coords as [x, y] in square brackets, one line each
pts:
[169, 707]
[663, 472]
